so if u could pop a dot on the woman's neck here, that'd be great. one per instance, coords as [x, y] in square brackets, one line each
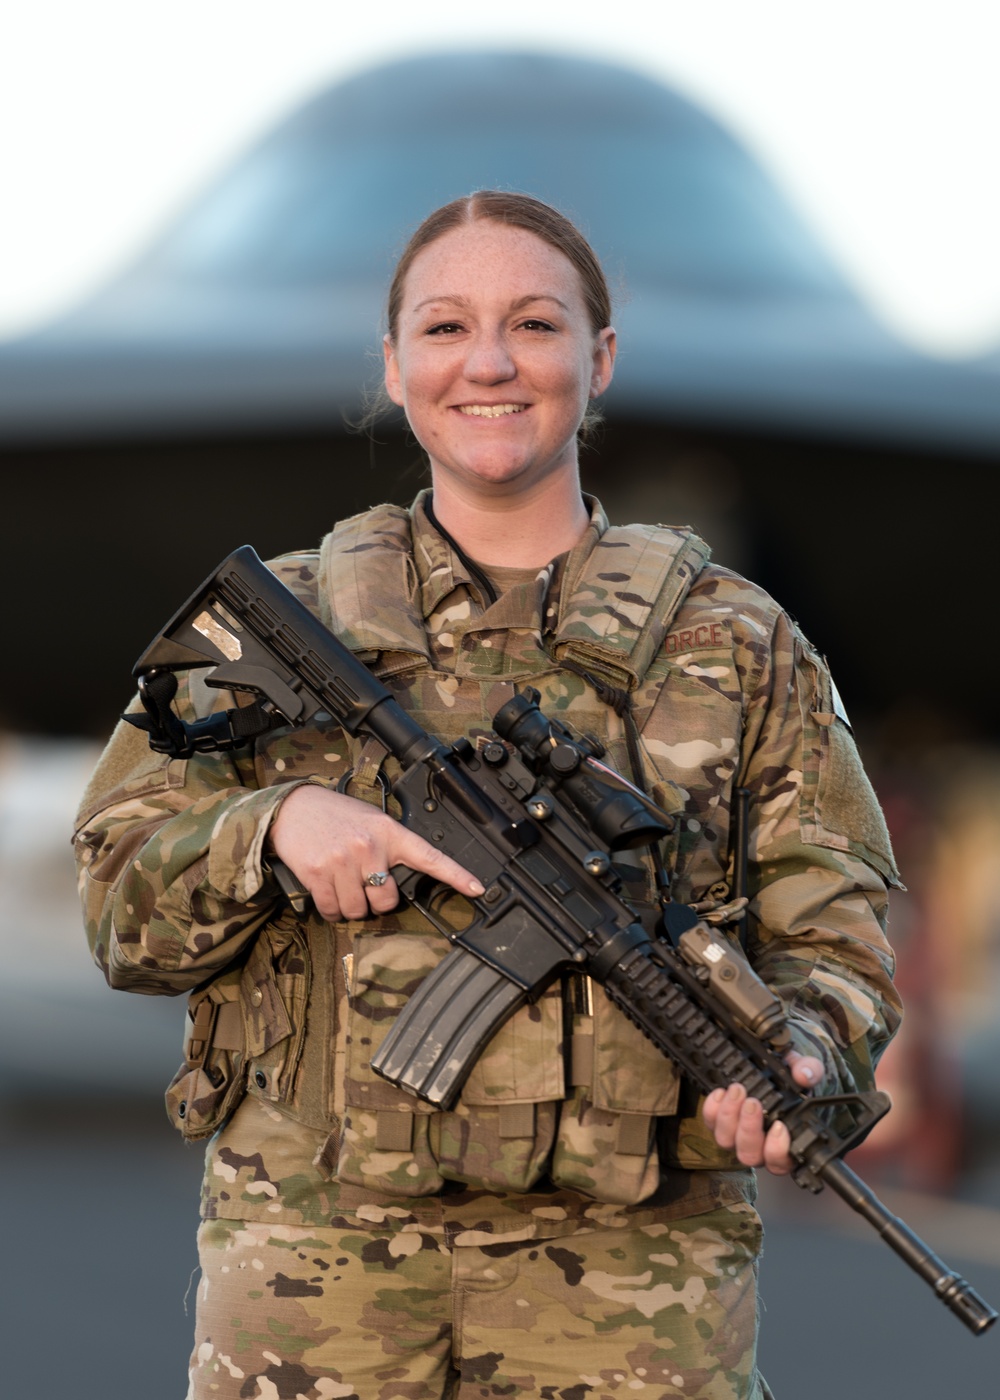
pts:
[524, 530]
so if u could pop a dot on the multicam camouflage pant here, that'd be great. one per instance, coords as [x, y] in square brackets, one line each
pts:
[290, 1313]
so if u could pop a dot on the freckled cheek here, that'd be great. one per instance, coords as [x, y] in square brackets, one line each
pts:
[423, 401]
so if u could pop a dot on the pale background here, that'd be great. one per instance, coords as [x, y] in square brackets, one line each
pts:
[880, 117]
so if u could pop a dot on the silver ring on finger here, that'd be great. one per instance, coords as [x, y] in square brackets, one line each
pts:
[377, 877]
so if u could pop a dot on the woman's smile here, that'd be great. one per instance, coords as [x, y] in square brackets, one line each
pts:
[487, 410]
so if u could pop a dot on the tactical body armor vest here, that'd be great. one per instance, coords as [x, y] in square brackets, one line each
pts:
[568, 1088]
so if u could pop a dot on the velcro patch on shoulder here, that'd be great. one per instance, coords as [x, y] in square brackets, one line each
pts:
[127, 768]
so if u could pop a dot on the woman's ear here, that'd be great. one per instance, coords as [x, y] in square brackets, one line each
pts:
[605, 350]
[393, 384]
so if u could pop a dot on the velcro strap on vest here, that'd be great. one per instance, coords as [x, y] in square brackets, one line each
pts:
[517, 1120]
[633, 1134]
[228, 1027]
[393, 1131]
[582, 1064]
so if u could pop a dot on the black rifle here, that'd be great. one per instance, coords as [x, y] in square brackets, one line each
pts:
[534, 819]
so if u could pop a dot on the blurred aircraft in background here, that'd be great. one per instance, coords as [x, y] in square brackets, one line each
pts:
[259, 309]
[146, 433]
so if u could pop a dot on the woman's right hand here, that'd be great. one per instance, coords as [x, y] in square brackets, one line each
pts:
[332, 842]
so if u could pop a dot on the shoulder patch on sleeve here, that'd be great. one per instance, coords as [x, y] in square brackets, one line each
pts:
[839, 808]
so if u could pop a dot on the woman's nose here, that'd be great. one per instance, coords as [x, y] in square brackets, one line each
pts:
[489, 360]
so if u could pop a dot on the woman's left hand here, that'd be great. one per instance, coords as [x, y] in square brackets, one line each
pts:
[738, 1121]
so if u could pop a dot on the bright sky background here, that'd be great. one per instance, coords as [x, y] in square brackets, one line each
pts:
[881, 117]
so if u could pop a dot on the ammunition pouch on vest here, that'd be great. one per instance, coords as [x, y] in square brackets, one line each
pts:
[247, 1027]
[210, 1082]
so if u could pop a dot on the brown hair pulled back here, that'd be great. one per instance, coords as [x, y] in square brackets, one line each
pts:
[520, 211]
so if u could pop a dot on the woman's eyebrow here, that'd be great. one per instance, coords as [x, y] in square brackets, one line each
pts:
[537, 296]
[460, 301]
[442, 300]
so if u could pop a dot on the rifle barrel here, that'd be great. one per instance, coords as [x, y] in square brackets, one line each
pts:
[954, 1292]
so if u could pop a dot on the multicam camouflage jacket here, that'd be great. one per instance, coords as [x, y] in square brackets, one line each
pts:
[569, 1117]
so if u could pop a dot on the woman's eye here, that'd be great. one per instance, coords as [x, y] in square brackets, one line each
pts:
[444, 328]
[535, 324]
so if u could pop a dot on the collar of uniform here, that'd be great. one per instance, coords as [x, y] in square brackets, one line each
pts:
[440, 570]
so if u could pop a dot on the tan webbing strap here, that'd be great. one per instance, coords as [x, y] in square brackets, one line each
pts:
[369, 762]
[517, 1120]
[228, 1027]
[393, 1131]
[582, 1066]
[199, 1034]
[633, 1134]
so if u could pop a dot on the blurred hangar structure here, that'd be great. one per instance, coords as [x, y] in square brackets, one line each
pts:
[260, 307]
[199, 400]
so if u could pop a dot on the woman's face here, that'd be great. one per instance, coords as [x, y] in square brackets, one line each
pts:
[494, 359]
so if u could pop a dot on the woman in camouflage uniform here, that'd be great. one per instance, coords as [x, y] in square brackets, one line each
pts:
[579, 1225]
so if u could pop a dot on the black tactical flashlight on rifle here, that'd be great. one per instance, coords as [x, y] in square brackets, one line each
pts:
[534, 816]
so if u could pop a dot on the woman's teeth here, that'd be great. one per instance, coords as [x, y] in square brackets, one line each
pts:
[490, 410]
